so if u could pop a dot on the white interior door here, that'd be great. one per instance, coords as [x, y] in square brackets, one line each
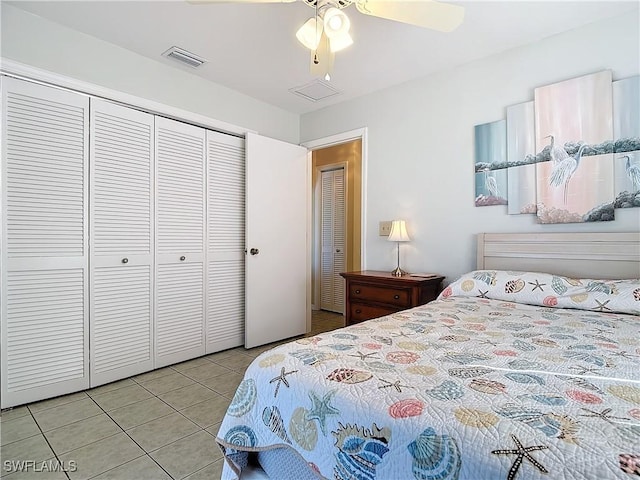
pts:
[278, 259]
[226, 241]
[332, 288]
[121, 186]
[45, 307]
[180, 240]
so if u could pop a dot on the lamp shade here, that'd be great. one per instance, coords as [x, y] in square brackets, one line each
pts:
[309, 34]
[336, 23]
[340, 42]
[399, 232]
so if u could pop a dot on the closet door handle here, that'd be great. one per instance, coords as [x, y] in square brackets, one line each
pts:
[183, 258]
[254, 251]
[125, 260]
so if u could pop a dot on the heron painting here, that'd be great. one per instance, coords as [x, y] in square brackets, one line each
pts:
[521, 141]
[491, 150]
[577, 184]
[626, 126]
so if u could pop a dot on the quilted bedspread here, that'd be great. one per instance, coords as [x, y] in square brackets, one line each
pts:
[463, 387]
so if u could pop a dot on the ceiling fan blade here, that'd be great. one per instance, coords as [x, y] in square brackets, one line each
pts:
[443, 17]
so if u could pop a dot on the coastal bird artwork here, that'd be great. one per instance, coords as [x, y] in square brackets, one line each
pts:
[556, 152]
[564, 170]
[491, 184]
[633, 172]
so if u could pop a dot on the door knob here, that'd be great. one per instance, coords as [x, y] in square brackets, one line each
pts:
[125, 260]
[254, 251]
[338, 250]
[183, 258]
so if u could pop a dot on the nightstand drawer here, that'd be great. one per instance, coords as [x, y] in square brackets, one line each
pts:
[360, 312]
[393, 296]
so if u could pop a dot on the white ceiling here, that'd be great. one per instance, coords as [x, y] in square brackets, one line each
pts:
[252, 48]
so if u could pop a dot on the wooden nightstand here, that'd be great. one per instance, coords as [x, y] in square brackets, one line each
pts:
[372, 294]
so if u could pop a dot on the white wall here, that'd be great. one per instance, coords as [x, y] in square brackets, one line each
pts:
[421, 151]
[37, 42]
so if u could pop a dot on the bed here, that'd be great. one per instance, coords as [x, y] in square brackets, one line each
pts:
[511, 373]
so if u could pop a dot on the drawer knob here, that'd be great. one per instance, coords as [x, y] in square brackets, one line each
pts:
[358, 311]
[358, 291]
[396, 297]
[125, 260]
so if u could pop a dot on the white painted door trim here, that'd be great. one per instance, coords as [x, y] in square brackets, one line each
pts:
[358, 133]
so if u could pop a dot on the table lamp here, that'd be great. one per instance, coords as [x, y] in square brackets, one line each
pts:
[398, 234]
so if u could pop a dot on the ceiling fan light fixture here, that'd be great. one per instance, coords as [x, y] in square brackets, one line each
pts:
[336, 22]
[340, 42]
[309, 34]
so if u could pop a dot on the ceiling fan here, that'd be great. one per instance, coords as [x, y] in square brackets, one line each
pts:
[327, 32]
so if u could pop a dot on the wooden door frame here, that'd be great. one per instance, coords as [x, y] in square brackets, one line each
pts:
[317, 226]
[337, 139]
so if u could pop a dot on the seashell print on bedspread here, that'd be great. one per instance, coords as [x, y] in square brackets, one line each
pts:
[461, 388]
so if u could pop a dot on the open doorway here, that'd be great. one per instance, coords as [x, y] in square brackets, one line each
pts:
[337, 221]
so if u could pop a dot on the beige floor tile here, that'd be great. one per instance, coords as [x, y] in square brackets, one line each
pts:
[254, 352]
[187, 396]
[162, 431]
[34, 448]
[142, 468]
[121, 397]
[103, 455]
[167, 383]
[140, 412]
[12, 413]
[110, 387]
[79, 434]
[238, 362]
[223, 354]
[18, 429]
[224, 384]
[207, 413]
[188, 454]
[65, 414]
[206, 371]
[213, 471]
[196, 362]
[57, 401]
[153, 375]
[213, 429]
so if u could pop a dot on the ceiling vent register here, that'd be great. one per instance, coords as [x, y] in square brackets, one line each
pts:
[185, 57]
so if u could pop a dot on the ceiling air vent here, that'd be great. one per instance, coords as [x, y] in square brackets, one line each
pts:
[184, 57]
[315, 91]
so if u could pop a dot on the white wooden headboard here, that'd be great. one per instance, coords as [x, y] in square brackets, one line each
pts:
[578, 255]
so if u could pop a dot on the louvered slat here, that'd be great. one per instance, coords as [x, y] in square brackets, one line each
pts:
[226, 241]
[180, 187]
[45, 314]
[121, 190]
[179, 308]
[121, 323]
[45, 160]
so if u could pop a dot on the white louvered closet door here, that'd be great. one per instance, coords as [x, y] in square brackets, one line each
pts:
[180, 240]
[44, 242]
[226, 241]
[332, 287]
[121, 188]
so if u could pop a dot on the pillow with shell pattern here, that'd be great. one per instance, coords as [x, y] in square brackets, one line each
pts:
[545, 289]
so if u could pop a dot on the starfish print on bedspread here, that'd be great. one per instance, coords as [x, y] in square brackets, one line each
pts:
[536, 284]
[585, 370]
[602, 306]
[482, 294]
[363, 356]
[397, 385]
[521, 453]
[282, 378]
[604, 415]
[321, 409]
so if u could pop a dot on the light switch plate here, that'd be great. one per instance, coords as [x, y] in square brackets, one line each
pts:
[385, 229]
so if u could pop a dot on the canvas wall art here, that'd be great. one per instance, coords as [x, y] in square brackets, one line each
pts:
[491, 151]
[626, 130]
[574, 118]
[521, 180]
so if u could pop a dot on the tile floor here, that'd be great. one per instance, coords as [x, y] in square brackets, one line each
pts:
[158, 425]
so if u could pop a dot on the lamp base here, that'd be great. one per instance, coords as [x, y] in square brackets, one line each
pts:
[398, 272]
